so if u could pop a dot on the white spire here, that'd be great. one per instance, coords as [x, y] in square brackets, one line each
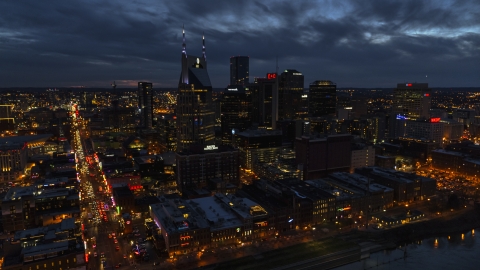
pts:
[184, 46]
[203, 47]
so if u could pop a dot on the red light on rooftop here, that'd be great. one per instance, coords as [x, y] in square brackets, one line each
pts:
[434, 119]
[409, 84]
[271, 76]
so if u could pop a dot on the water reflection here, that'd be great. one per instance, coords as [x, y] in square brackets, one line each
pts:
[459, 251]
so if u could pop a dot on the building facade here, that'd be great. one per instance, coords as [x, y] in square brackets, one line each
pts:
[318, 157]
[236, 112]
[194, 110]
[322, 98]
[197, 166]
[239, 70]
[258, 146]
[145, 104]
[290, 91]
[412, 100]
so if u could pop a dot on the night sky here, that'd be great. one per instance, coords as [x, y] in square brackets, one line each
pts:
[353, 43]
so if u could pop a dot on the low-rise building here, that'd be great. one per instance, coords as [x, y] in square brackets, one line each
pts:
[182, 228]
[57, 246]
[407, 187]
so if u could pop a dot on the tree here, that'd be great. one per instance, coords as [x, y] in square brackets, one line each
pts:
[453, 201]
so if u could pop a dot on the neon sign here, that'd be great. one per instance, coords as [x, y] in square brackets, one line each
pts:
[210, 147]
[426, 95]
[434, 119]
[271, 76]
[401, 117]
[409, 84]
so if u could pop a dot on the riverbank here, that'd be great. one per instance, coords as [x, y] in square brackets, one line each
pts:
[466, 221]
[353, 246]
[462, 221]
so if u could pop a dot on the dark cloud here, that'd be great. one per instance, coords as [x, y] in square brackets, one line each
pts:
[355, 43]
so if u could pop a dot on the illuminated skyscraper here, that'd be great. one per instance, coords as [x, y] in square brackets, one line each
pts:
[195, 114]
[322, 98]
[412, 100]
[290, 91]
[239, 70]
[264, 101]
[7, 120]
[236, 112]
[145, 104]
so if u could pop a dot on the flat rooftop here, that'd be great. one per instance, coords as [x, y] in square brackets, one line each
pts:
[64, 225]
[360, 181]
[17, 192]
[218, 214]
[47, 193]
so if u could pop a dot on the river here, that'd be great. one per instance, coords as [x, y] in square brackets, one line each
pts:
[457, 251]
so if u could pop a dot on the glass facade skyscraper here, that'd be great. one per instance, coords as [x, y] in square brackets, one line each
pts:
[195, 111]
[145, 104]
[239, 70]
[290, 91]
[322, 98]
[412, 100]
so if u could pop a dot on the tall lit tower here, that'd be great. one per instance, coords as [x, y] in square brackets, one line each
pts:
[145, 104]
[290, 90]
[412, 100]
[322, 98]
[239, 70]
[194, 111]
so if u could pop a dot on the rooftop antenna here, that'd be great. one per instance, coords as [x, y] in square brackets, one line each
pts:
[184, 46]
[203, 47]
[114, 85]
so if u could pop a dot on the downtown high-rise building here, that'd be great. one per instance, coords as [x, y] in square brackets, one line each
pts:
[264, 96]
[145, 104]
[236, 112]
[7, 119]
[412, 100]
[290, 91]
[239, 70]
[322, 98]
[194, 111]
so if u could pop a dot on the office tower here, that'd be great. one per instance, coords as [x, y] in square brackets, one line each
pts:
[258, 146]
[200, 167]
[318, 157]
[376, 128]
[167, 127]
[412, 100]
[322, 98]
[290, 91]
[7, 120]
[265, 101]
[145, 104]
[465, 116]
[236, 112]
[195, 112]
[239, 69]
[425, 130]
[13, 159]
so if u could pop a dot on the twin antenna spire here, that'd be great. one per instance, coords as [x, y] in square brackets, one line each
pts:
[184, 45]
